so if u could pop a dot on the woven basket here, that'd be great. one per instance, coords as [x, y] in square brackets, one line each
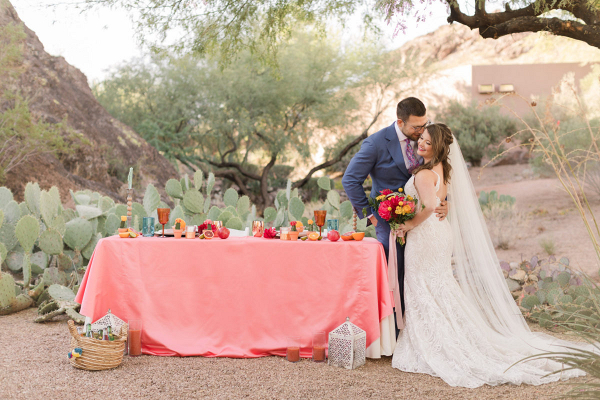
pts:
[97, 354]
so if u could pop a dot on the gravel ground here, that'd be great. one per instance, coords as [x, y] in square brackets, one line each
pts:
[33, 364]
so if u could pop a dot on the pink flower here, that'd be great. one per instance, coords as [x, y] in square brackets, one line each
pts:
[385, 192]
[384, 210]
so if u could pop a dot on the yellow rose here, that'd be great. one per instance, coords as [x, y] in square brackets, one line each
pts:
[406, 208]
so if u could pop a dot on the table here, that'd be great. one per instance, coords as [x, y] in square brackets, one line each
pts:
[239, 297]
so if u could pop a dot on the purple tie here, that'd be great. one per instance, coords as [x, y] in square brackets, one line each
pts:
[412, 158]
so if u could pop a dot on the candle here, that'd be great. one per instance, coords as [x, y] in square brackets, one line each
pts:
[130, 177]
[135, 342]
[293, 354]
[318, 353]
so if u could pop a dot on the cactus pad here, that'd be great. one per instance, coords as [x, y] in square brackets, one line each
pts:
[7, 290]
[270, 213]
[210, 183]
[214, 213]
[78, 233]
[3, 253]
[1, 218]
[324, 183]
[282, 199]
[6, 196]
[26, 269]
[234, 223]
[243, 206]
[32, 197]
[89, 249]
[111, 225]
[198, 178]
[333, 197]
[563, 278]
[106, 204]
[48, 207]
[194, 201]
[225, 216]
[88, 212]
[346, 210]
[530, 301]
[230, 198]
[566, 299]
[61, 293]
[39, 260]
[296, 208]
[174, 189]
[27, 232]
[151, 199]
[12, 213]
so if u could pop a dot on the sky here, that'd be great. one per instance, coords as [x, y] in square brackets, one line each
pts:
[96, 40]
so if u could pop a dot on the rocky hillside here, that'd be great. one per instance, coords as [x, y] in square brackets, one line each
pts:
[57, 91]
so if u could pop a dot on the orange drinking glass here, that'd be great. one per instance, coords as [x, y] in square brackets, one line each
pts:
[320, 219]
[163, 217]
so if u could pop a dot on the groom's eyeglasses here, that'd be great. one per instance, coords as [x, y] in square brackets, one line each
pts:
[420, 127]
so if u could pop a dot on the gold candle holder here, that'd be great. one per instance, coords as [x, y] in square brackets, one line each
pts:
[129, 208]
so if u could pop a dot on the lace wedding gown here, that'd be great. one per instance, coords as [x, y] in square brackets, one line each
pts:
[445, 335]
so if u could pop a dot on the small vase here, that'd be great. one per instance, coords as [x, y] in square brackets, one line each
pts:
[293, 235]
[190, 235]
[177, 233]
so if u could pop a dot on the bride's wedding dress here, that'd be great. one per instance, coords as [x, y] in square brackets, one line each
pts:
[463, 329]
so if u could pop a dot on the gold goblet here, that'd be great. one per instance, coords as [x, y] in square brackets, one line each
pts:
[163, 217]
[320, 219]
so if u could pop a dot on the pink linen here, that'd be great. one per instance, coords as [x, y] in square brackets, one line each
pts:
[239, 297]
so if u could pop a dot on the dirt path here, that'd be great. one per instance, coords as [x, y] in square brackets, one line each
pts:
[551, 212]
[33, 364]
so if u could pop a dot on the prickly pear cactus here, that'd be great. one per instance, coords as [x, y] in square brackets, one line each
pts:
[151, 199]
[230, 198]
[78, 233]
[198, 178]
[225, 216]
[243, 207]
[296, 208]
[6, 196]
[270, 213]
[27, 232]
[32, 197]
[59, 300]
[214, 214]
[194, 201]
[9, 301]
[324, 183]
[234, 223]
[48, 207]
[174, 189]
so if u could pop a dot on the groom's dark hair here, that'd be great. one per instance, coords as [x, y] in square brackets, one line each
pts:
[410, 106]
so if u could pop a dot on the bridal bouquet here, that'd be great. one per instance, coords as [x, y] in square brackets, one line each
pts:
[394, 207]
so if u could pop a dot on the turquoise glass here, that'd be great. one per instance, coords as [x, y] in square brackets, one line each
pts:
[148, 226]
[333, 224]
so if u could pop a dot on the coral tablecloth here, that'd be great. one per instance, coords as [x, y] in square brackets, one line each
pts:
[239, 297]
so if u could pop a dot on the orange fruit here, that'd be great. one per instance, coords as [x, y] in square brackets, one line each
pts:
[313, 236]
[358, 236]
[299, 226]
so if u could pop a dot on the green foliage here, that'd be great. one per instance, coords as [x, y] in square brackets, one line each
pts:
[230, 198]
[477, 129]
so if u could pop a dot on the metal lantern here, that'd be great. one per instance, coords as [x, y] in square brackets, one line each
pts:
[347, 346]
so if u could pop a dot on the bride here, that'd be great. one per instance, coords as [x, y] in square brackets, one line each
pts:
[466, 330]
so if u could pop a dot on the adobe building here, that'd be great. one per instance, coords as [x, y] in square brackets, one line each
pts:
[532, 81]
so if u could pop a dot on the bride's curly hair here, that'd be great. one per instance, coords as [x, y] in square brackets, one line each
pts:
[441, 139]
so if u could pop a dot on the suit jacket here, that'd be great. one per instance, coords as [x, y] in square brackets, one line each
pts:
[380, 156]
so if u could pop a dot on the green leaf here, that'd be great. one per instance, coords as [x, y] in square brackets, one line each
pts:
[193, 201]
[270, 213]
[174, 189]
[334, 199]
[151, 199]
[27, 232]
[346, 210]
[198, 178]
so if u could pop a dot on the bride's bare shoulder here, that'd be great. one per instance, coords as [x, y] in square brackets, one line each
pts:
[425, 176]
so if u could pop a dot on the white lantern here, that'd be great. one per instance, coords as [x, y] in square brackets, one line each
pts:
[347, 346]
[109, 319]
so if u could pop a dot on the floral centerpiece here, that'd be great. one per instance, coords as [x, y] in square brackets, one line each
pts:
[178, 228]
[207, 230]
[394, 207]
[270, 233]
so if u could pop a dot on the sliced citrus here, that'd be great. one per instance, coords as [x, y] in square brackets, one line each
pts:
[313, 236]
[209, 234]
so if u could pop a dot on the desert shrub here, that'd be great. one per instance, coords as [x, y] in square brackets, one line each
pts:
[548, 245]
[477, 130]
[503, 220]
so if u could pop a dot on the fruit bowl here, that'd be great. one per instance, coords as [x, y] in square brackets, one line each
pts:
[358, 236]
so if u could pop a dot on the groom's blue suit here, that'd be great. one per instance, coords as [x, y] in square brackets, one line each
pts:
[380, 156]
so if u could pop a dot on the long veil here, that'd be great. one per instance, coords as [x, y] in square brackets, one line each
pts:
[478, 269]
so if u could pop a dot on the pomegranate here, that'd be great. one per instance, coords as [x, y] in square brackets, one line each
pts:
[223, 232]
[333, 236]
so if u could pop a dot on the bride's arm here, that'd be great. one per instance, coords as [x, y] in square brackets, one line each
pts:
[425, 183]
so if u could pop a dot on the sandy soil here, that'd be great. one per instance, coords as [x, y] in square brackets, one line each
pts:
[552, 216]
[34, 365]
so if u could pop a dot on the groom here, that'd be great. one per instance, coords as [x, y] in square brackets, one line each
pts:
[389, 157]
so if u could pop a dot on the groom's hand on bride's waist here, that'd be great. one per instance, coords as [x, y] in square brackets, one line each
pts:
[442, 211]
